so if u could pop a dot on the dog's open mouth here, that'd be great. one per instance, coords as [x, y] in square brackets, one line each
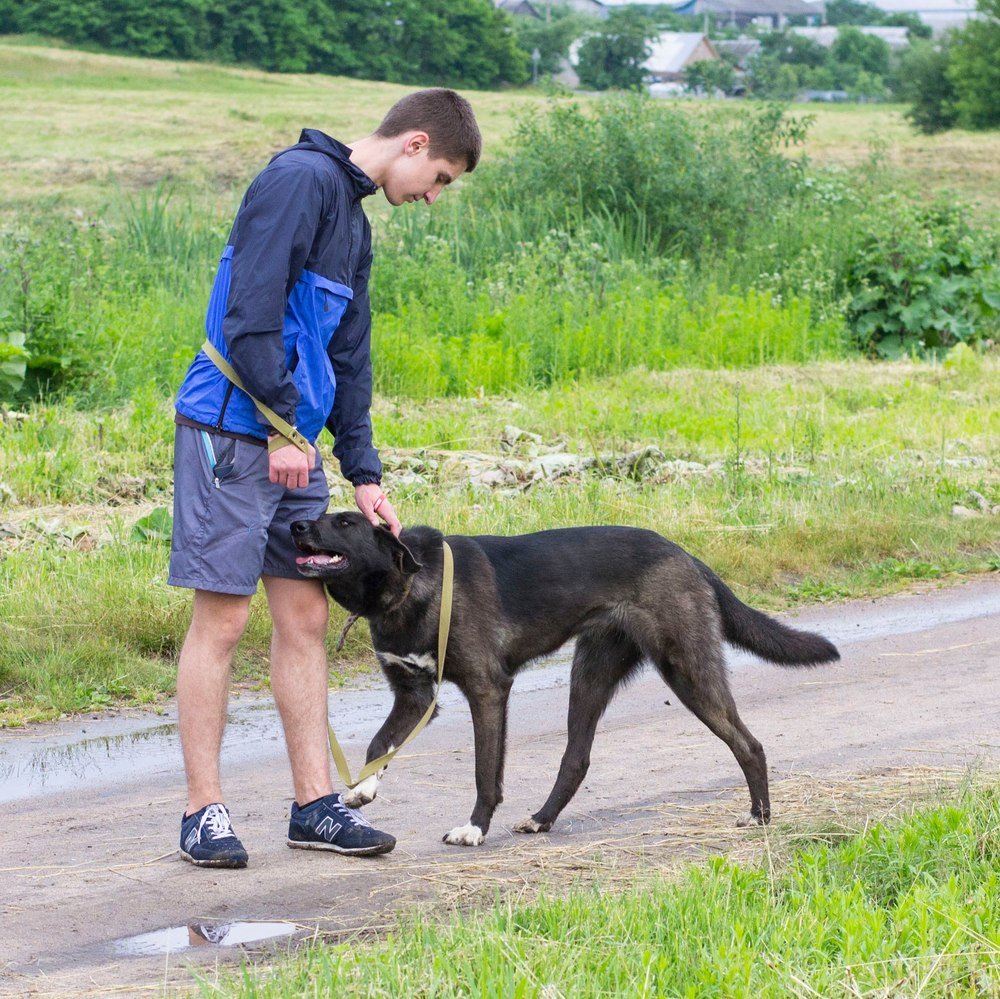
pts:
[315, 563]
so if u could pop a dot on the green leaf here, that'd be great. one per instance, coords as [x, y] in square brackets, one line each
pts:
[156, 526]
[13, 363]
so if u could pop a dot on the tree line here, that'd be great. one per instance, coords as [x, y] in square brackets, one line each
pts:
[461, 43]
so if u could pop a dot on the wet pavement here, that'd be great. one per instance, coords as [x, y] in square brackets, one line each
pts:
[105, 749]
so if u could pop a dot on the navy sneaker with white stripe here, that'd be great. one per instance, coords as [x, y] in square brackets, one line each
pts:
[328, 824]
[208, 840]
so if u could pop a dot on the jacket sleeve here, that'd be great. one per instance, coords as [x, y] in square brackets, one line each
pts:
[272, 238]
[350, 354]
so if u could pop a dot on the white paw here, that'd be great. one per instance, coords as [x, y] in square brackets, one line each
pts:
[529, 825]
[362, 793]
[467, 835]
[749, 819]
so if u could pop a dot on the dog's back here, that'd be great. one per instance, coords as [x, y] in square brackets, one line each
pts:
[553, 585]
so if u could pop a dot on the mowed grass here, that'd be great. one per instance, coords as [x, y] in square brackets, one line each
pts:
[905, 908]
[78, 124]
[795, 483]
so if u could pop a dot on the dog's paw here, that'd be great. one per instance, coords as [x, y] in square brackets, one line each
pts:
[467, 835]
[529, 825]
[363, 793]
[750, 819]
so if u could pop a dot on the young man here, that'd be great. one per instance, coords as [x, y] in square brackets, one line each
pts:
[289, 311]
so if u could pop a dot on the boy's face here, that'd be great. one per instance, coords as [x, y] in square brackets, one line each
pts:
[415, 176]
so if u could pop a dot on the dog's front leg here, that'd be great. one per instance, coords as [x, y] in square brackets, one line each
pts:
[489, 723]
[411, 701]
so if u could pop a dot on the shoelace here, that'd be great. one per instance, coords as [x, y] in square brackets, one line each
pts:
[219, 826]
[352, 816]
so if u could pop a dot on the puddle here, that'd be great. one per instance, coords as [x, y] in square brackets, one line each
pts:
[108, 749]
[174, 939]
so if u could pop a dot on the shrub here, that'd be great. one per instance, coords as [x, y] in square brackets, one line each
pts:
[921, 280]
[689, 180]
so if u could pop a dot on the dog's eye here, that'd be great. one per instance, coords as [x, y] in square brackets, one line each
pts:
[343, 522]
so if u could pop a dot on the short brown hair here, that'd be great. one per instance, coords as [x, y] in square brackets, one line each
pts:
[447, 119]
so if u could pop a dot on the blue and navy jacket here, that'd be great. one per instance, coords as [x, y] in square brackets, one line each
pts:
[290, 310]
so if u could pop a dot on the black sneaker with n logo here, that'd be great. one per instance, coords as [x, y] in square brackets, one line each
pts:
[208, 840]
[328, 824]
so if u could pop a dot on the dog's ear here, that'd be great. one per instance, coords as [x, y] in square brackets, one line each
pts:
[401, 555]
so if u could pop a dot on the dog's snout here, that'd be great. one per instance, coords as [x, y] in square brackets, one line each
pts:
[300, 527]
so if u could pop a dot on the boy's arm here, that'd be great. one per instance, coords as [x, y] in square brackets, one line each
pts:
[271, 240]
[350, 420]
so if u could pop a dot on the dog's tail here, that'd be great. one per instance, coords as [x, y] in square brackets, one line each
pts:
[762, 635]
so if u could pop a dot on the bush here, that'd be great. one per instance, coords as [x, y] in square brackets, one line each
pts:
[924, 84]
[688, 181]
[923, 280]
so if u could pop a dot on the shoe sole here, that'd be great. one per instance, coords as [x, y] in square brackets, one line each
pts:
[361, 851]
[223, 862]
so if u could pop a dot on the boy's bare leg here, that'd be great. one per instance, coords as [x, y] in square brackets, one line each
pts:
[299, 680]
[217, 624]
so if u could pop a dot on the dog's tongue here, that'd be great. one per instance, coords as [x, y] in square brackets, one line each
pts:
[318, 559]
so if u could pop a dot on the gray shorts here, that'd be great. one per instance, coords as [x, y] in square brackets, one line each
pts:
[231, 523]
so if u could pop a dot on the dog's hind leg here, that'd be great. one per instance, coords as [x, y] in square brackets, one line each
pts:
[413, 694]
[699, 681]
[602, 660]
[488, 704]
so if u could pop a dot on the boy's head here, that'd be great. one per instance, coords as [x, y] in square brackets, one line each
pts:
[447, 119]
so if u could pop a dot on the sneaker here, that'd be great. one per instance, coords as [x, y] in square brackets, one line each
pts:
[208, 840]
[328, 824]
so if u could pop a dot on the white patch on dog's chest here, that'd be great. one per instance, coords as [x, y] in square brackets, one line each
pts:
[416, 662]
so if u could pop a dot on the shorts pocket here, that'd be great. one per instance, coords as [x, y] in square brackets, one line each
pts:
[226, 458]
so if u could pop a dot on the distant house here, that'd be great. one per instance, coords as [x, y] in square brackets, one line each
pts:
[673, 51]
[895, 38]
[940, 15]
[541, 9]
[739, 13]
[740, 50]
[522, 8]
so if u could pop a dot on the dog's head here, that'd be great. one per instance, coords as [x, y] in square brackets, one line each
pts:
[361, 566]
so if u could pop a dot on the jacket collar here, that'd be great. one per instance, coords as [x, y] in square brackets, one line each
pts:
[313, 138]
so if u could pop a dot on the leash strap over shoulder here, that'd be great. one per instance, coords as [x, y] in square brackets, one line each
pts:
[289, 435]
[444, 625]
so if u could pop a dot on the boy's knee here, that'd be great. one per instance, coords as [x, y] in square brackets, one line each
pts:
[307, 620]
[219, 618]
[314, 620]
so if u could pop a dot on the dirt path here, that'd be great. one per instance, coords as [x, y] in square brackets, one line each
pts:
[89, 810]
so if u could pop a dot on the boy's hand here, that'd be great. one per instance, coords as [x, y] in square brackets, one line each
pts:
[373, 504]
[289, 467]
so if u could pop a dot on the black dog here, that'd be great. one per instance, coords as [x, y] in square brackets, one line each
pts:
[627, 595]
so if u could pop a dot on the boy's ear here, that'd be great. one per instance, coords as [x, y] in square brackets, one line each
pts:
[401, 555]
[415, 142]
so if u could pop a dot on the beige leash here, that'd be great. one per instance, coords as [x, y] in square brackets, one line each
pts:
[287, 433]
[444, 624]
